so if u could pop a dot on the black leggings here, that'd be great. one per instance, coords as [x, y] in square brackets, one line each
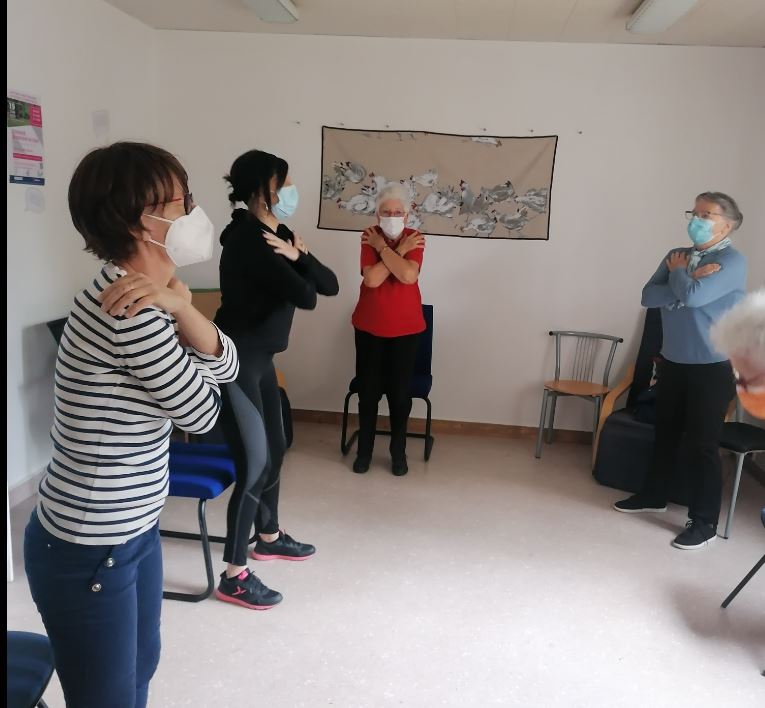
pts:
[252, 424]
[384, 365]
[691, 402]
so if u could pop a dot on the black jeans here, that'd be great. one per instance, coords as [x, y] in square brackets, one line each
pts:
[252, 425]
[384, 365]
[691, 403]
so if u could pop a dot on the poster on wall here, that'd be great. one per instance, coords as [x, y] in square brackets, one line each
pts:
[470, 186]
[25, 139]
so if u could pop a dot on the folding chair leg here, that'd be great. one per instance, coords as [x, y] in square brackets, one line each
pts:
[597, 402]
[542, 418]
[345, 443]
[551, 423]
[191, 597]
[428, 425]
[734, 494]
[740, 586]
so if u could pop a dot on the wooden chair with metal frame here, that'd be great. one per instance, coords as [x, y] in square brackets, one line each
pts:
[580, 385]
[740, 439]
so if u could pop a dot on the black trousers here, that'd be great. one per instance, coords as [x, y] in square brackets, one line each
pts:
[252, 425]
[691, 403]
[384, 365]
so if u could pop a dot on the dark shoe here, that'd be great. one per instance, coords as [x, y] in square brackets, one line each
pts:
[283, 548]
[246, 590]
[361, 465]
[697, 534]
[399, 467]
[637, 504]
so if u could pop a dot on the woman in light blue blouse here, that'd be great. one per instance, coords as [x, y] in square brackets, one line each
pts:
[693, 287]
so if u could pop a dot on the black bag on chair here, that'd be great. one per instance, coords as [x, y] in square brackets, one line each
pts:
[625, 447]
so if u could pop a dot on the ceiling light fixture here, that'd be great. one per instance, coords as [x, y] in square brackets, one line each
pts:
[658, 15]
[276, 11]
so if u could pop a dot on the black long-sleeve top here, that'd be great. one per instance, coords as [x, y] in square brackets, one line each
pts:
[260, 289]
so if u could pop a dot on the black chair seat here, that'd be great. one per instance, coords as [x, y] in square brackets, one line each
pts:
[742, 438]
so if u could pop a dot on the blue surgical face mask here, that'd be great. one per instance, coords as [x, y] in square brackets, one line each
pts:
[700, 230]
[287, 204]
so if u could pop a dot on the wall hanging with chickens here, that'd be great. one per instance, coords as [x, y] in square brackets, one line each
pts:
[474, 186]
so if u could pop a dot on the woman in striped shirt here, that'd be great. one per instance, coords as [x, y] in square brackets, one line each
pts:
[135, 359]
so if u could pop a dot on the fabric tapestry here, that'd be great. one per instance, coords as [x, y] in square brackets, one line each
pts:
[474, 186]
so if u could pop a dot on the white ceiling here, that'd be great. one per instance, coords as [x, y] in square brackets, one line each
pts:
[739, 23]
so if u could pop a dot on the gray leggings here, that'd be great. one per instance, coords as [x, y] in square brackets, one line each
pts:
[252, 425]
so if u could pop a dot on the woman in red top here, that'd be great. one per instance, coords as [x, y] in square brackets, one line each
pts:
[388, 321]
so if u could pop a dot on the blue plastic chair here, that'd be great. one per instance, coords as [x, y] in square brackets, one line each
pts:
[201, 472]
[422, 383]
[30, 666]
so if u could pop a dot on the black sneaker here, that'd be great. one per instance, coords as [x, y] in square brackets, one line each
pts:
[361, 465]
[697, 534]
[283, 548]
[399, 467]
[637, 504]
[248, 591]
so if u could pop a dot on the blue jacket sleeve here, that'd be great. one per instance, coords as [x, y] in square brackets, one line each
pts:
[697, 293]
[656, 292]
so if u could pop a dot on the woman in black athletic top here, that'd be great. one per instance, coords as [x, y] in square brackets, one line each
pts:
[266, 271]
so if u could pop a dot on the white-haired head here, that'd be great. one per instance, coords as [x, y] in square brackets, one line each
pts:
[393, 192]
[740, 332]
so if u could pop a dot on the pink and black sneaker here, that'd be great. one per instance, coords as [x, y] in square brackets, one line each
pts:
[283, 548]
[248, 591]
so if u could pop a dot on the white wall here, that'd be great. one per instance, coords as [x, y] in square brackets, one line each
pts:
[78, 56]
[658, 125]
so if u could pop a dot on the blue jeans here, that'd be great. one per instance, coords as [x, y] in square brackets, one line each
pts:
[100, 606]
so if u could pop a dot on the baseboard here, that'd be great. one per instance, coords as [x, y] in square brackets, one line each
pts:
[24, 490]
[450, 427]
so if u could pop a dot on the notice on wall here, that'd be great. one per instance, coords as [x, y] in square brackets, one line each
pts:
[25, 139]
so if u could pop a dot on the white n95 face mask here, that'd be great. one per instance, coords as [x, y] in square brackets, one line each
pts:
[189, 239]
[392, 226]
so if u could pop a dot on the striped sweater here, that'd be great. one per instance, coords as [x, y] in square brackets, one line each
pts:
[120, 386]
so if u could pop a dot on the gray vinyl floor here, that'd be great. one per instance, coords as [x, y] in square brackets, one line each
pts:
[483, 578]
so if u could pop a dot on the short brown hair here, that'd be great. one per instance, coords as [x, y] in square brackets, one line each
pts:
[111, 188]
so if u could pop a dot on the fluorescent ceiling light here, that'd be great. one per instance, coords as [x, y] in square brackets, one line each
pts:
[273, 10]
[658, 15]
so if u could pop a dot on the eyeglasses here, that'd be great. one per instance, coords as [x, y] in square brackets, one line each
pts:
[703, 215]
[188, 202]
[395, 213]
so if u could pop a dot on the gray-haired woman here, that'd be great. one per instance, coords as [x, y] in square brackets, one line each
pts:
[388, 321]
[693, 287]
[740, 333]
